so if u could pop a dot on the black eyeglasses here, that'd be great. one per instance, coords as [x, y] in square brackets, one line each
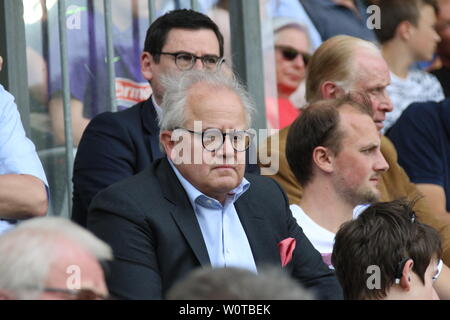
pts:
[80, 294]
[213, 139]
[186, 61]
[291, 53]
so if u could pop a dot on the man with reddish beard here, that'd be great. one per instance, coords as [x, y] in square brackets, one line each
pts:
[338, 162]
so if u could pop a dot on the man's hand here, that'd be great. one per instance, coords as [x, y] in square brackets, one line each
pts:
[1, 63]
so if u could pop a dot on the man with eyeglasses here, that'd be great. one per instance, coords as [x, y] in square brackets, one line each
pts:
[195, 207]
[118, 145]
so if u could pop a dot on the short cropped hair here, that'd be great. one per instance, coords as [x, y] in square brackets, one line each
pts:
[334, 61]
[393, 12]
[27, 252]
[384, 235]
[177, 19]
[238, 284]
[319, 125]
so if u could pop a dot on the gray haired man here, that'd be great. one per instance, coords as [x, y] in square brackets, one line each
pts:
[195, 207]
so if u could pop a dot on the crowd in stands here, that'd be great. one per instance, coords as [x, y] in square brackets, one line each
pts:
[166, 203]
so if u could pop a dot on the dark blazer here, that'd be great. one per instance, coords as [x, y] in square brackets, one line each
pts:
[151, 226]
[115, 146]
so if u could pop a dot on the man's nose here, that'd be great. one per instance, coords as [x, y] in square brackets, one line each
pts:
[384, 102]
[198, 64]
[381, 164]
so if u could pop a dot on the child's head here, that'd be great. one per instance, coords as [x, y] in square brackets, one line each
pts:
[386, 253]
[411, 22]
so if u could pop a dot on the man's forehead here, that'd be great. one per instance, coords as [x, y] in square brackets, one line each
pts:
[205, 99]
[192, 40]
[355, 123]
[371, 67]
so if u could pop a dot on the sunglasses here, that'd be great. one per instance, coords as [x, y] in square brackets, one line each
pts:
[290, 54]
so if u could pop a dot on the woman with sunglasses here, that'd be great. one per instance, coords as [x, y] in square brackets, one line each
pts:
[291, 46]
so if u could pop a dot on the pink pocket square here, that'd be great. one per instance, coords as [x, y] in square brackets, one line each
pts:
[286, 248]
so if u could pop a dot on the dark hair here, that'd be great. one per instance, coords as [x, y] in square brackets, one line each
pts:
[393, 12]
[317, 126]
[179, 19]
[385, 234]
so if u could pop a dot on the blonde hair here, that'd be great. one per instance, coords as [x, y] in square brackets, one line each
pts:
[334, 61]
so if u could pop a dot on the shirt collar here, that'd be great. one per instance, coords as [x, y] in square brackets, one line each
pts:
[195, 196]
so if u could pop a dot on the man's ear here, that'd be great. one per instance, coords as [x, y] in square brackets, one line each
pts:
[405, 281]
[147, 63]
[330, 90]
[323, 158]
[404, 30]
[165, 139]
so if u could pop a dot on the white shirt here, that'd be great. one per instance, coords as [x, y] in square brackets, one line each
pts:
[321, 238]
[419, 86]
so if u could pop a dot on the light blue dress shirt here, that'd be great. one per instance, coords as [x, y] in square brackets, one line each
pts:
[17, 152]
[222, 231]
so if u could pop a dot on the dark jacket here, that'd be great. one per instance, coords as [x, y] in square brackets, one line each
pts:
[152, 228]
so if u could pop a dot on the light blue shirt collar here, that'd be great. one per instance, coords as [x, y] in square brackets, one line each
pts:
[196, 196]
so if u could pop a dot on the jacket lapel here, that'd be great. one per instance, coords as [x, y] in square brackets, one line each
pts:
[182, 211]
[150, 123]
[259, 236]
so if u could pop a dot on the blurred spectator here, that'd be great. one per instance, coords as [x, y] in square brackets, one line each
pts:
[51, 259]
[407, 35]
[331, 75]
[386, 254]
[294, 9]
[443, 48]
[421, 136]
[237, 284]
[221, 16]
[291, 56]
[336, 17]
[23, 184]
[194, 207]
[86, 50]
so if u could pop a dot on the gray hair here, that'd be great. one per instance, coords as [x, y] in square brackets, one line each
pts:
[177, 91]
[27, 252]
[281, 23]
[238, 284]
